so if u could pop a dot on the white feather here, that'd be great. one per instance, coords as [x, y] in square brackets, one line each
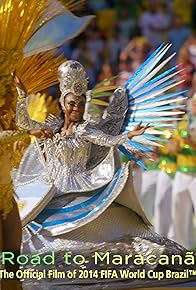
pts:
[156, 104]
[156, 84]
[158, 92]
[152, 74]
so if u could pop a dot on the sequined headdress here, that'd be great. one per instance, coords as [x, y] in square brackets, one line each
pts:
[72, 78]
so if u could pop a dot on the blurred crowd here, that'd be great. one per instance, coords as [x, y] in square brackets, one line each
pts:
[123, 34]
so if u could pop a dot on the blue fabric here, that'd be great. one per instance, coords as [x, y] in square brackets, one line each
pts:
[105, 194]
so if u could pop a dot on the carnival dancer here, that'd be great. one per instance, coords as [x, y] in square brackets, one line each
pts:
[93, 206]
[167, 164]
[163, 195]
[183, 194]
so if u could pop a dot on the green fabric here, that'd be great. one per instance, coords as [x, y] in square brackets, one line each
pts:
[132, 5]
[124, 158]
[153, 166]
[187, 150]
[187, 169]
[168, 158]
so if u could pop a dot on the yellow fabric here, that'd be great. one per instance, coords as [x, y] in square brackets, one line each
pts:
[183, 125]
[103, 23]
[167, 162]
[186, 161]
[183, 8]
[169, 167]
[164, 150]
[152, 165]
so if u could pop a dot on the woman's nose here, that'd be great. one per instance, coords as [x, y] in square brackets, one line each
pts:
[76, 106]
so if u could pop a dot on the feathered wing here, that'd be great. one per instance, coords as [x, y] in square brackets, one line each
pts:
[35, 71]
[34, 74]
[150, 102]
[74, 5]
[56, 31]
[146, 99]
[111, 123]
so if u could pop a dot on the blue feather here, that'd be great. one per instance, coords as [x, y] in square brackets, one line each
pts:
[147, 69]
[154, 80]
[150, 120]
[156, 109]
[161, 98]
[171, 126]
[132, 157]
[143, 65]
[155, 126]
[158, 125]
[157, 88]
[138, 145]
[153, 138]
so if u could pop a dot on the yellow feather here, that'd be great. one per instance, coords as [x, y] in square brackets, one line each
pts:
[105, 81]
[104, 89]
[20, 19]
[39, 72]
[73, 5]
[99, 102]
[41, 105]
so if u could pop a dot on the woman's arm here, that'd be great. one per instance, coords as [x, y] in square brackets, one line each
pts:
[96, 136]
[23, 119]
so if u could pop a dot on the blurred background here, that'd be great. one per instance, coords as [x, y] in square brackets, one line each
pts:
[125, 32]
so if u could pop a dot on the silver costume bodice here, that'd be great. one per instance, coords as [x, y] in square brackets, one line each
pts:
[69, 152]
[66, 160]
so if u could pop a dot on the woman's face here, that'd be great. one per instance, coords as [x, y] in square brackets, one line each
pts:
[74, 107]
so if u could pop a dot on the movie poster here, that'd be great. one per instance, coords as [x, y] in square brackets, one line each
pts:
[97, 145]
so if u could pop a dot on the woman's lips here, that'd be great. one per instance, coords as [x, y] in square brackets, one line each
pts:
[77, 114]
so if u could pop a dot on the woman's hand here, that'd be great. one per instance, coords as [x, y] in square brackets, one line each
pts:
[138, 130]
[41, 133]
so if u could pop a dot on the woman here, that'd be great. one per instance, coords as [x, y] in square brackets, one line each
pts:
[94, 207]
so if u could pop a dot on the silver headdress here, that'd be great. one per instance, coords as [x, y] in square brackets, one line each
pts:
[72, 78]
